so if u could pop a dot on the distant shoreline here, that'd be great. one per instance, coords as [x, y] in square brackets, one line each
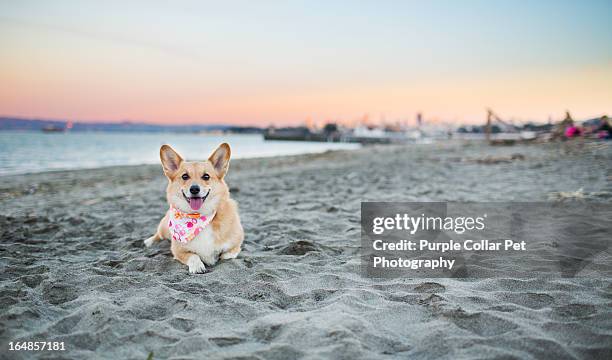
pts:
[128, 132]
[15, 123]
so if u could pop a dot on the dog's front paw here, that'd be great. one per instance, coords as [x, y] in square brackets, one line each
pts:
[230, 255]
[196, 266]
[150, 241]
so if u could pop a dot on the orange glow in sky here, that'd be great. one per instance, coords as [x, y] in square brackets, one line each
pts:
[274, 63]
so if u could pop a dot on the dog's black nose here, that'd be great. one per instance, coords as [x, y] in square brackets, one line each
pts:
[194, 189]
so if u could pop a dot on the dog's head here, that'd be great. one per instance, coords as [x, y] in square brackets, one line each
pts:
[196, 186]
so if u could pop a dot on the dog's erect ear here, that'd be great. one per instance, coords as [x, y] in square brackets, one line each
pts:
[220, 159]
[170, 159]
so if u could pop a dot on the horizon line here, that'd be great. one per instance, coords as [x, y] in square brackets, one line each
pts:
[272, 123]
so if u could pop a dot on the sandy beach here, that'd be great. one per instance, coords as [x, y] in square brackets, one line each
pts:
[74, 268]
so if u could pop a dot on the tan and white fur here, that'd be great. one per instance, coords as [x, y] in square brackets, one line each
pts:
[223, 237]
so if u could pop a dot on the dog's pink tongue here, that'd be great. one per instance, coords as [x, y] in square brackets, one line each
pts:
[195, 203]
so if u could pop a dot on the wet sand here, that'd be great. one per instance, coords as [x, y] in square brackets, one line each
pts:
[74, 269]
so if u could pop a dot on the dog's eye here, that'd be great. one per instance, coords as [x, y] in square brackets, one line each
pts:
[206, 177]
[185, 177]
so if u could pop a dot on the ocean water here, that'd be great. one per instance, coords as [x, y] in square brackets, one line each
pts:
[28, 152]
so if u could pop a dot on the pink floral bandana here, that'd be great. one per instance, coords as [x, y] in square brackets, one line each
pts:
[185, 227]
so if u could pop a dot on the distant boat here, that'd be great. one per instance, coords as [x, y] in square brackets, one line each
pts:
[53, 129]
[56, 129]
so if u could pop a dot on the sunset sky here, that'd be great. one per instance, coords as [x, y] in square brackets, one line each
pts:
[281, 62]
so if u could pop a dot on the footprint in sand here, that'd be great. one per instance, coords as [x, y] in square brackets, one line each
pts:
[300, 247]
[430, 287]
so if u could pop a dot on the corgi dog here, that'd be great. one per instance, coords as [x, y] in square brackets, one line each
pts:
[202, 221]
